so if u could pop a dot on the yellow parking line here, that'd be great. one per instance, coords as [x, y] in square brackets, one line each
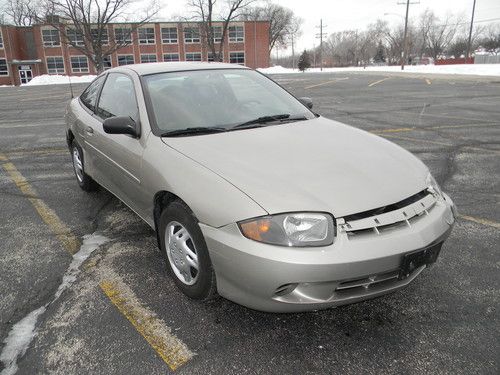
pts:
[428, 81]
[49, 151]
[379, 81]
[461, 126]
[326, 83]
[173, 351]
[70, 243]
[397, 130]
[479, 220]
[452, 117]
[417, 140]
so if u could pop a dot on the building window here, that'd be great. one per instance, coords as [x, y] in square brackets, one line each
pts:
[79, 64]
[106, 62]
[148, 58]
[4, 70]
[123, 35]
[171, 57]
[169, 35]
[217, 33]
[146, 35]
[193, 56]
[95, 36]
[75, 37]
[212, 59]
[55, 65]
[125, 60]
[237, 58]
[191, 35]
[236, 34]
[1, 39]
[51, 38]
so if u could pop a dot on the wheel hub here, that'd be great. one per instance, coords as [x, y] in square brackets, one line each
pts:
[181, 252]
[77, 164]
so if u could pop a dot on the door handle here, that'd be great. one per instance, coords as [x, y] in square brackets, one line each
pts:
[89, 130]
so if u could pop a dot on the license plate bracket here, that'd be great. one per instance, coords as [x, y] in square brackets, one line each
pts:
[415, 259]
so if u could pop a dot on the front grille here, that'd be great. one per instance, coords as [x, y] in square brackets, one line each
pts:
[365, 283]
[391, 207]
[391, 217]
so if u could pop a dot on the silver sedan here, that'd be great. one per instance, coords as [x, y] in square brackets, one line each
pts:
[253, 195]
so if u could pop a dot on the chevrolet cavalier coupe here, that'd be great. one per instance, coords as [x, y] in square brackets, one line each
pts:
[253, 195]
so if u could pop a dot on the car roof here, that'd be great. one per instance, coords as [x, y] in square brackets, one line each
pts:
[164, 67]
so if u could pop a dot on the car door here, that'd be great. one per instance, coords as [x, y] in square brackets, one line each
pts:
[119, 156]
[86, 122]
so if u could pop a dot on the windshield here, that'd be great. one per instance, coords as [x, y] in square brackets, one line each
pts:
[217, 98]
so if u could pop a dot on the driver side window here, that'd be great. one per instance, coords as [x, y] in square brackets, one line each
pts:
[118, 98]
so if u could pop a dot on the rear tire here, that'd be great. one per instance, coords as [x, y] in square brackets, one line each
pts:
[185, 251]
[85, 182]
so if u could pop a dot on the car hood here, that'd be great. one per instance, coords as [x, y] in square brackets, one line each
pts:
[313, 165]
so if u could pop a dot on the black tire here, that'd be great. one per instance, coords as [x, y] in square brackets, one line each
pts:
[205, 287]
[85, 182]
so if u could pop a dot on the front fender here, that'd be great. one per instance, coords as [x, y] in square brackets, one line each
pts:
[213, 200]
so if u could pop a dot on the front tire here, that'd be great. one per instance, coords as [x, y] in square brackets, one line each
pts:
[85, 182]
[185, 251]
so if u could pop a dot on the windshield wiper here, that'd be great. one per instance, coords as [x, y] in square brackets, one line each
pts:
[262, 120]
[193, 131]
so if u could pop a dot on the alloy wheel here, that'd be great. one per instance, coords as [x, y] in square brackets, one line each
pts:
[181, 253]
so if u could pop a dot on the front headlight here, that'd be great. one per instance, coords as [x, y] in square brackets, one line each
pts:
[433, 186]
[293, 229]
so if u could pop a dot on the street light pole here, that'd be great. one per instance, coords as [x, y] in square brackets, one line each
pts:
[470, 32]
[403, 52]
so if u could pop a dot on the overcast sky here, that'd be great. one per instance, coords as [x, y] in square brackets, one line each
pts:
[341, 15]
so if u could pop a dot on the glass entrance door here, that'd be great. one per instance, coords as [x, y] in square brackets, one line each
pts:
[25, 73]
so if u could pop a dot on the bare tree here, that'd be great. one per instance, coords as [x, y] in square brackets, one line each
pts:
[280, 19]
[441, 34]
[21, 12]
[491, 41]
[395, 41]
[84, 24]
[294, 32]
[205, 11]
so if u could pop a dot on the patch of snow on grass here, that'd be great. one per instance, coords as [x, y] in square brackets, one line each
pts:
[47, 79]
[23, 332]
[465, 69]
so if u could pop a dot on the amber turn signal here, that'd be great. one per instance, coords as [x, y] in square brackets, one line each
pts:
[255, 229]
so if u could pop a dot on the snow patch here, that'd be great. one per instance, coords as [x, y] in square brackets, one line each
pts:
[18, 340]
[23, 332]
[48, 79]
[460, 69]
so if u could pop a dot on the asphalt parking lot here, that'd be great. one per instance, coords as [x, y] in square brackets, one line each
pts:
[122, 314]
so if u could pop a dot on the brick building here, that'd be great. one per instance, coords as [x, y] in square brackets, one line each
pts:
[26, 52]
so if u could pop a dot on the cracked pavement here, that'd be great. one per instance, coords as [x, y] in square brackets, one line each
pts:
[446, 322]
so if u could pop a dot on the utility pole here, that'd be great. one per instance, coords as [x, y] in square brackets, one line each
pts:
[405, 47]
[404, 52]
[314, 55]
[320, 36]
[470, 32]
[293, 55]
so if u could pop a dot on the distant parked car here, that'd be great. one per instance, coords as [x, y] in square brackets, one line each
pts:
[253, 195]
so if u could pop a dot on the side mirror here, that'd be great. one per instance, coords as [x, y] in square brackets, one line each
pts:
[120, 125]
[307, 102]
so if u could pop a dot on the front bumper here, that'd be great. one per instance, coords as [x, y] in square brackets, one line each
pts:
[282, 279]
